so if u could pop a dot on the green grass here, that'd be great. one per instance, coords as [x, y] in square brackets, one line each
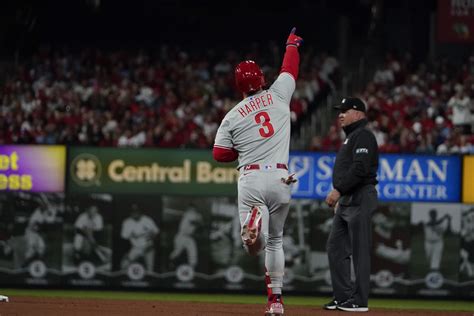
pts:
[438, 305]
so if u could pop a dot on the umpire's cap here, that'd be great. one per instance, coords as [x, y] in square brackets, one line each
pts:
[351, 103]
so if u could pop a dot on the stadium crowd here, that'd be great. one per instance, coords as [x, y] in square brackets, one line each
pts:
[169, 98]
[426, 108]
[173, 98]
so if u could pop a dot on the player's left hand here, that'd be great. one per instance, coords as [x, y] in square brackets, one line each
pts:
[293, 39]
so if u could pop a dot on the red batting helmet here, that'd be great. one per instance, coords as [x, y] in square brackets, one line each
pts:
[249, 77]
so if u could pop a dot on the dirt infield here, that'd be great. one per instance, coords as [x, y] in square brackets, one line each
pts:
[37, 306]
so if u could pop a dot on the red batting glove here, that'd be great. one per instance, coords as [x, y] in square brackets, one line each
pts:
[293, 39]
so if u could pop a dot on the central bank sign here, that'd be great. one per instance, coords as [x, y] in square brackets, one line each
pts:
[149, 171]
[194, 172]
[401, 177]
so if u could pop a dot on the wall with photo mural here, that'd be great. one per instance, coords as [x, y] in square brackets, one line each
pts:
[167, 219]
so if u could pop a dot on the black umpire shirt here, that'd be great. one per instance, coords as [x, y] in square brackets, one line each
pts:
[357, 160]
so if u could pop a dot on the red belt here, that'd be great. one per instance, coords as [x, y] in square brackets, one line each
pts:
[257, 167]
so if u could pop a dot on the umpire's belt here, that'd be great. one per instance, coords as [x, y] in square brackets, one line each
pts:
[266, 166]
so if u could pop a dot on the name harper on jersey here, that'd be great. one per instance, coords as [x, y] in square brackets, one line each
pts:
[255, 104]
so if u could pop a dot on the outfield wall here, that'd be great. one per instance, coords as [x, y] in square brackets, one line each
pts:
[187, 236]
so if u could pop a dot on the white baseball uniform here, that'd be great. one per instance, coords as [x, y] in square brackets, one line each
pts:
[184, 239]
[258, 127]
[434, 242]
[467, 243]
[35, 244]
[140, 232]
[86, 221]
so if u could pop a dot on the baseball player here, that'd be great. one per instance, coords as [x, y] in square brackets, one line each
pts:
[141, 231]
[225, 232]
[184, 239]
[434, 244]
[45, 213]
[257, 132]
[388, 247]
[87, 224]
[467, 243]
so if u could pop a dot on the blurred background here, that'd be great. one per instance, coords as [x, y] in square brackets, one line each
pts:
[109, 110]
[396, 52]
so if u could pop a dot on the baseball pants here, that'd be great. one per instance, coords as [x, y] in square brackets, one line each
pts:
[264, 188]
[434, 253]
[351, 235]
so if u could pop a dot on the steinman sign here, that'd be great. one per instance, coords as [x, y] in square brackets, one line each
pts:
[149, 171]
[401, 177]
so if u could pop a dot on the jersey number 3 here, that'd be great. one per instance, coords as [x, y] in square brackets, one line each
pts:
[267, 128]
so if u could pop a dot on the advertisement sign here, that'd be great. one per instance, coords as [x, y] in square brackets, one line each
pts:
[31, 238]
[455, 21]
[391, 248]
[401, 177]
[137, 231]
[193, 243]
[411, 178]
[230, 267]
[466, 264]
[314, 174]
[468, 180]
[185, 246]
[319, 226]
[87, 239]
[32, 168]
[149, 171]
[435, 249]
[305, 268]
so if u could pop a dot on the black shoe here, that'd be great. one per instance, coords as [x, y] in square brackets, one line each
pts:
[332, 305]
[351, 306]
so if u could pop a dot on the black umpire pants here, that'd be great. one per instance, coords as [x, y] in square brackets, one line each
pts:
[351, 235]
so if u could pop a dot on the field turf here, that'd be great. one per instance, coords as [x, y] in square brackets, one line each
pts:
[426, 304]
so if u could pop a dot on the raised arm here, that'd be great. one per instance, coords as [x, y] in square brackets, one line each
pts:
[291, 60]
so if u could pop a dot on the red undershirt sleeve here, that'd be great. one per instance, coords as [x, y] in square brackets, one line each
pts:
[222, 154]
[291, 61]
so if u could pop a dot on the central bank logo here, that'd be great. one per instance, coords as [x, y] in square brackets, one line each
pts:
[86, 170]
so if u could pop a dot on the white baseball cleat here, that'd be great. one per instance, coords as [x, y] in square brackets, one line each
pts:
[251, 227]
[275, 307]
[3, 298]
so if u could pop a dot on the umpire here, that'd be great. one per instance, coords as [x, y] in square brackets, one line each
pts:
[354, 199]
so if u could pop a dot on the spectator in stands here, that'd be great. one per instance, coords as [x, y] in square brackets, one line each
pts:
[461, 107]
[423, 110]
[171, 99]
